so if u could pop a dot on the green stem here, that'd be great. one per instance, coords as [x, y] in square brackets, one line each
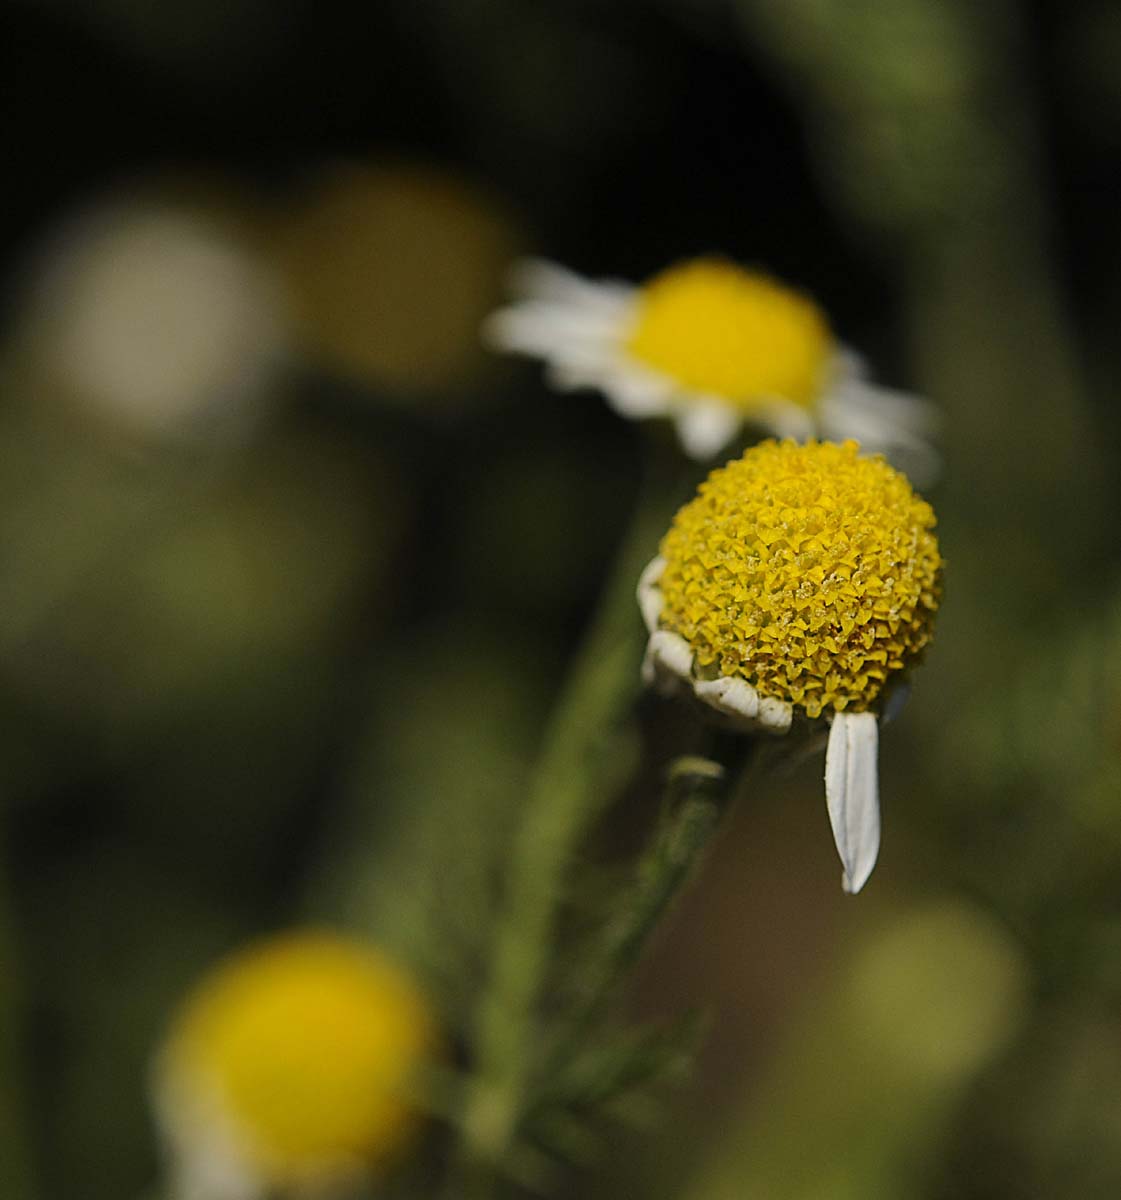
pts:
[563, 802]
[695, 802]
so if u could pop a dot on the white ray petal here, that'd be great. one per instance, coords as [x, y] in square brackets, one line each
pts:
[775, 716]
[731, 696]
[786, 420]
[852, 795]
[635, 392]
[845, 366]
[206, 1150]
[706, 427]
[671, 653]
[539, 279]
[535, 328]
[900, 426]
[895, 410]
[649, 594]
[576, 367]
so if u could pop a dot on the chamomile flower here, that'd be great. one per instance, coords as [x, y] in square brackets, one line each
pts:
[159, 319]
[714, 347]
[287, 1070]
[799, 586]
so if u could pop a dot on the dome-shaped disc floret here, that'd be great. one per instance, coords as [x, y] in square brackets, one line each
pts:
[807, 571]
[800, 580]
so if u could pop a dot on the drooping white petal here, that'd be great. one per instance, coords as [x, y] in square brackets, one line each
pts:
[670, 652]
[706, 427]
[775, 716]
[731, 696]
[852, 795]
[649, 594]
[667, 665]
[655, 675]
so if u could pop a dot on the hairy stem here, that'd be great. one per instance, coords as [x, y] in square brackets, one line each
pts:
[695, 801]
[563, 801]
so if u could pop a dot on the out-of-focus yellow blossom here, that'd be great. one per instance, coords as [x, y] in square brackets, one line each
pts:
[728, 332]
[801, 581]
[291, 1066]
[391, 269]
[714, 347]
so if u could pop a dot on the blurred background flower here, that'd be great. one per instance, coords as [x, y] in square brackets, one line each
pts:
[290, 567]
[295, 1065]
[392, 268]
[154, 318]
[714, 347]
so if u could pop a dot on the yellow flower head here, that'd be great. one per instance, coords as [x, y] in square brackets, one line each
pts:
[800, 579]
[712, 346]
[809, 572]
[721, 330]
[291, 1063]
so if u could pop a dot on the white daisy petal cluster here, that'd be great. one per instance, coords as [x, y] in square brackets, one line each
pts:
[714, 348]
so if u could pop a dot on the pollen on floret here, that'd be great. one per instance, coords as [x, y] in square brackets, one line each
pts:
[808, 571]
[717, 329]
[303, 1046]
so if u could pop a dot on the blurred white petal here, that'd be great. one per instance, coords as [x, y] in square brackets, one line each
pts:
[548, 329]
[705, 428]
[633, 392]
[897, 424]
[540, 279]
[787, 420]
[160, 319]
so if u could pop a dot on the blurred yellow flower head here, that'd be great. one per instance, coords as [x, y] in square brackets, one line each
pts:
[715, 347]
[392, 266]
[724, 331]
[801, 580]
[290, 1065]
